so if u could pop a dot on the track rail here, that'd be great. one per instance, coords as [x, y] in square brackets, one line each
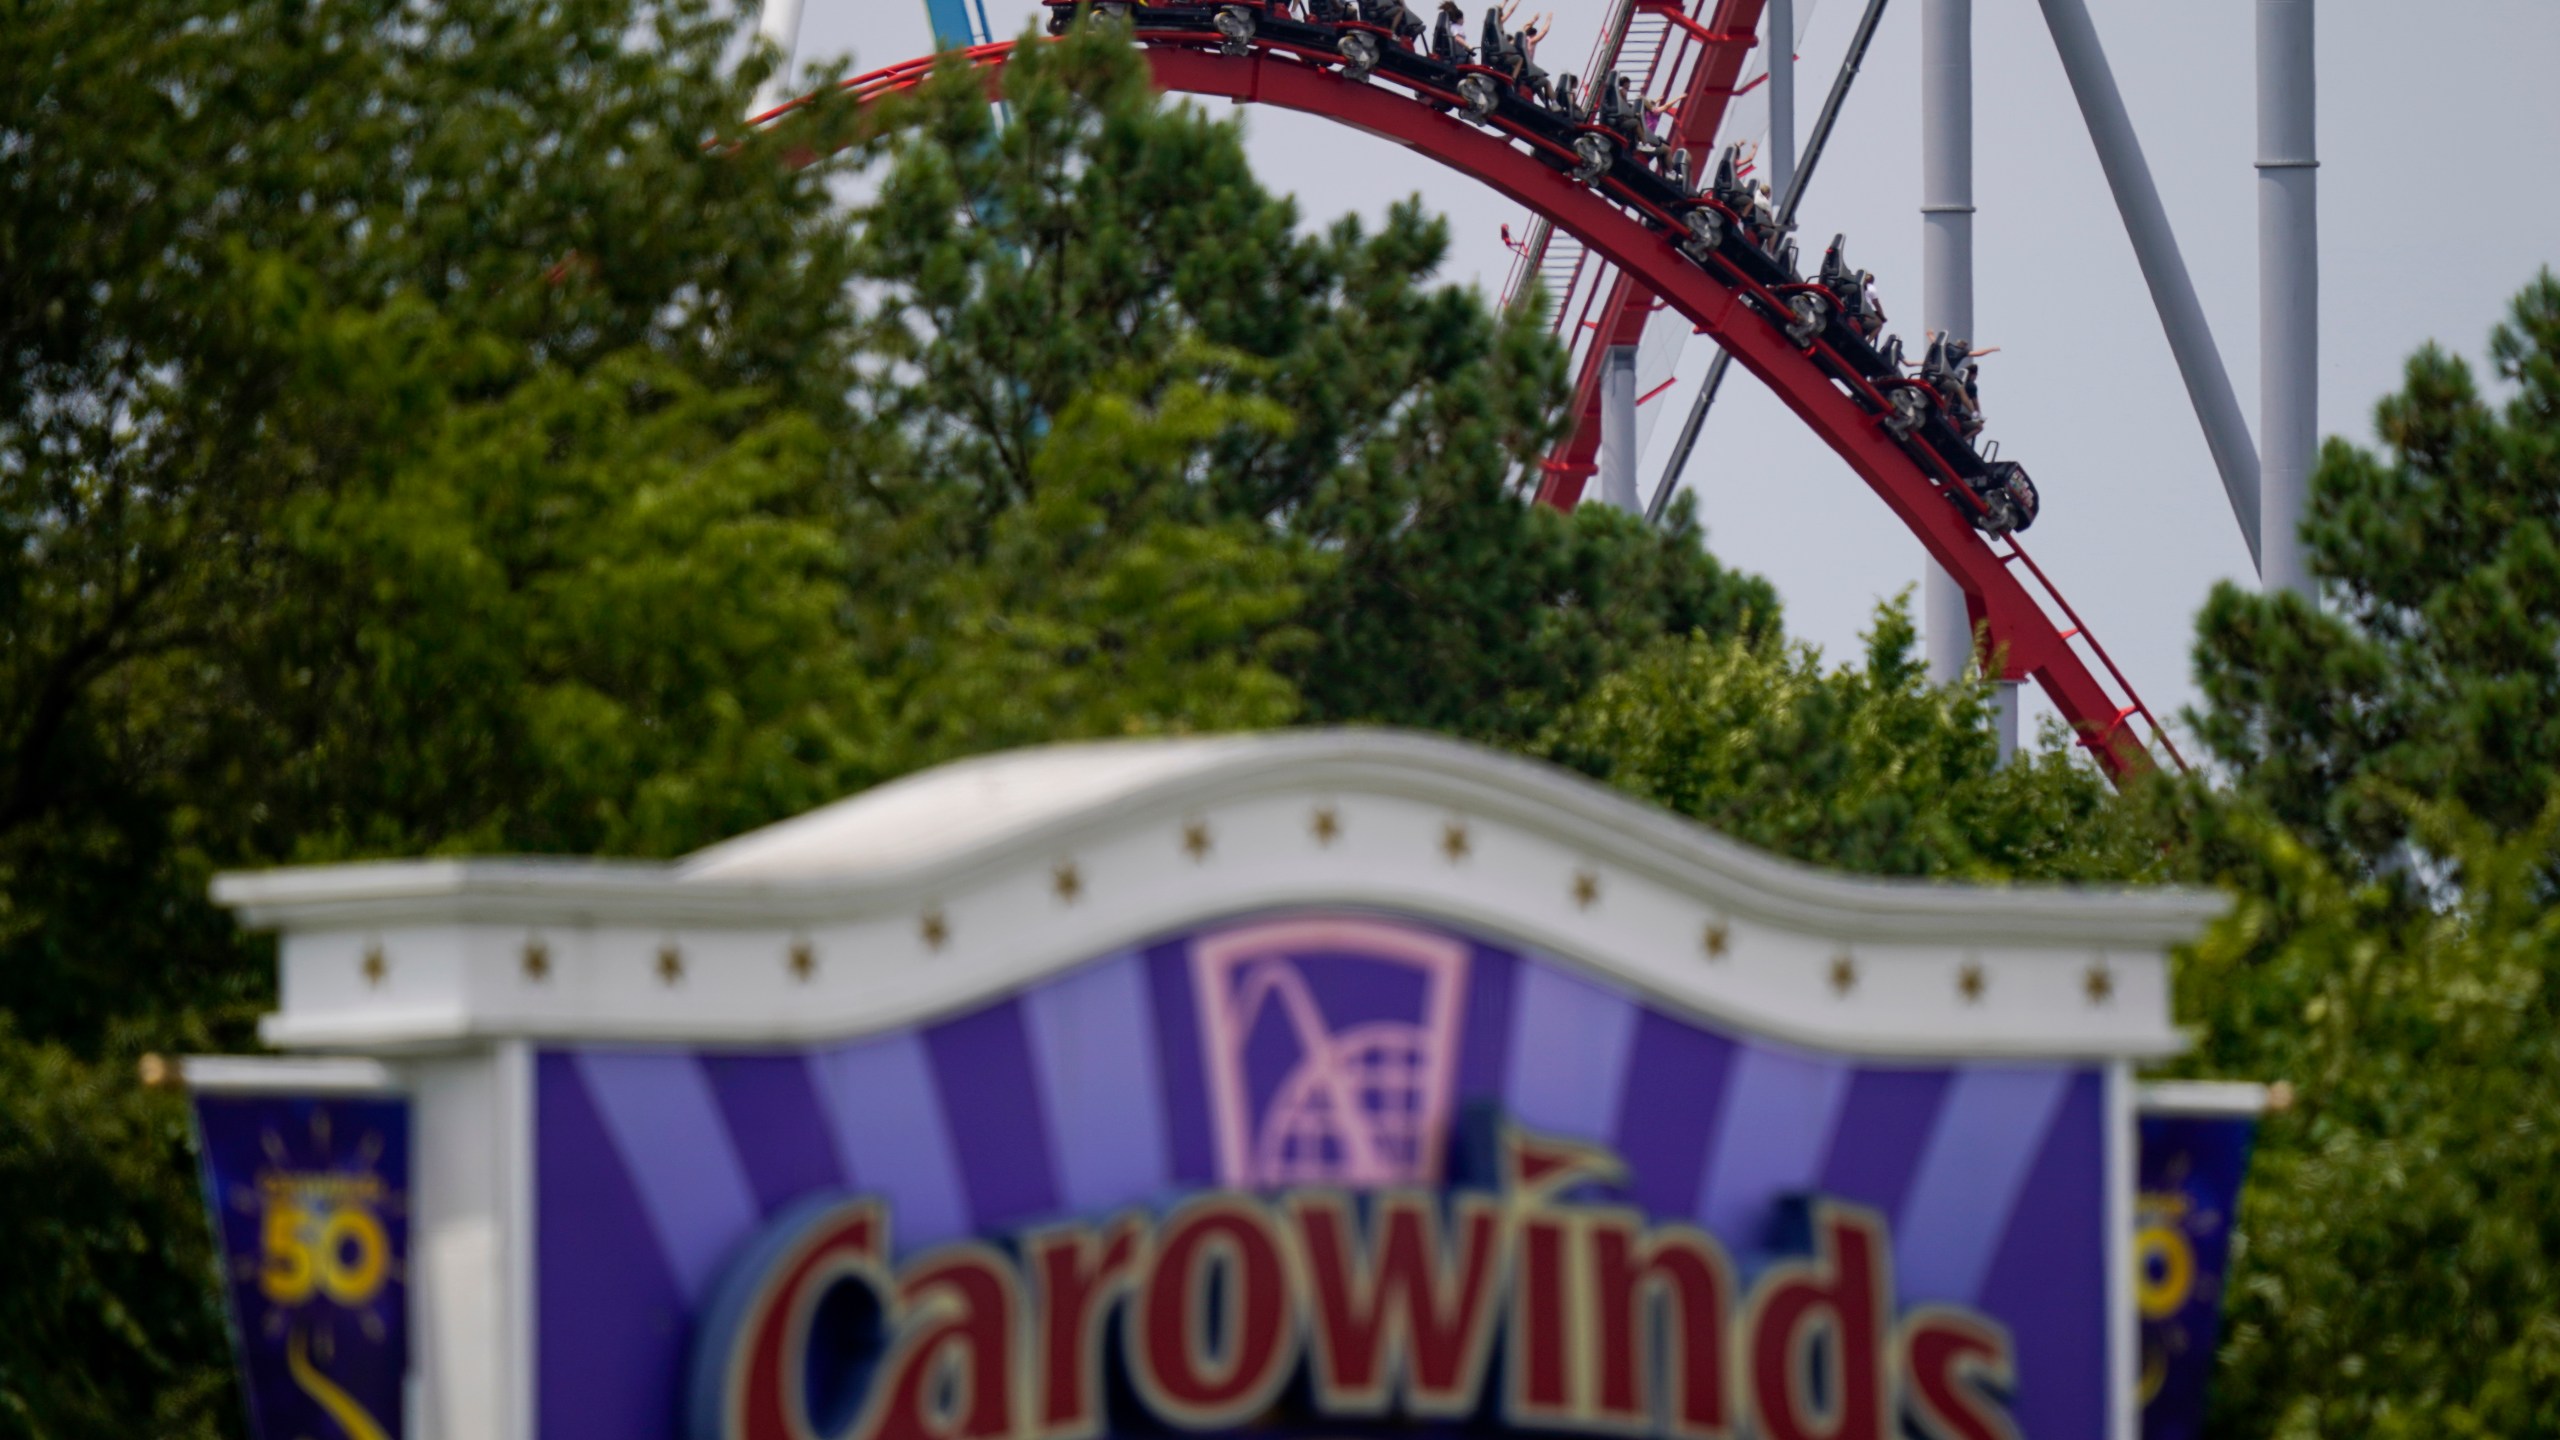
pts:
[2023, 616]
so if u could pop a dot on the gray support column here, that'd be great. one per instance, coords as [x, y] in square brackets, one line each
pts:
[1618, 429]
[1782, 95]
[1946, 263]
[2007, 705]
[779, 22]
[2226, 432]
[2288, 290]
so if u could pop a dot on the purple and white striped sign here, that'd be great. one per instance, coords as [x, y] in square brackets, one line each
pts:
[1308, 1052]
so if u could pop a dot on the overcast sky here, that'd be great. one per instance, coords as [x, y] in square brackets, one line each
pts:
[2437, 131]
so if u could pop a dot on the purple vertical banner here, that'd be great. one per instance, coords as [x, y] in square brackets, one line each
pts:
[309, 1198]
[2192, 1169]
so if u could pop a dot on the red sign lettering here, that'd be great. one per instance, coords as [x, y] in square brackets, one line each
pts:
[1399, 1300]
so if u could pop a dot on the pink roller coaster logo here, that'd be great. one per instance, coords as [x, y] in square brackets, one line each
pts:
[1331, 1047]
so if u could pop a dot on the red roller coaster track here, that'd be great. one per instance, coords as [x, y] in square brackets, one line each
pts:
[2022, 615]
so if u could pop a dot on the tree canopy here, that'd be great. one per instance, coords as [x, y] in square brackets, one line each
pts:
[449, 430]
[1867, 768]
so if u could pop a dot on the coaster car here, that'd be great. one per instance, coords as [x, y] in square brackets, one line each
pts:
[1235, 24]
[1482, 88]
[1909, 404]
[2008, 498]
[1704, 226]
[1595, 149]
[1361, 44]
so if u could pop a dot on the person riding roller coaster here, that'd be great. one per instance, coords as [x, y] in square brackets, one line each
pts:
[1951, 366]
[1726, 188]
[1063, 15]
[1673, 164]
[1618, 112]
[1447, 44]
[1569, 104]
[1749, 200]
[1395, 15]
[1526, 77]
[1494, 50]
[1854, 291]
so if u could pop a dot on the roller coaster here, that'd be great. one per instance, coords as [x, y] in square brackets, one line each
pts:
[1707, 253]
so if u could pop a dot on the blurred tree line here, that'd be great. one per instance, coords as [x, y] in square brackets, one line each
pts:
[445, 429]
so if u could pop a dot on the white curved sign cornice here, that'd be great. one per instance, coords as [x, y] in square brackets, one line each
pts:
[940, 891]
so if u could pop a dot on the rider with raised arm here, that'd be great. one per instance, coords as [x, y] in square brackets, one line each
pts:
[1949, 366]
[1495, 51]
[1524, 58]
[1658, 116]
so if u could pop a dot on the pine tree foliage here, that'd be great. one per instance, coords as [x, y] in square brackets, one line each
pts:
[2390, 822]
[2434, 664]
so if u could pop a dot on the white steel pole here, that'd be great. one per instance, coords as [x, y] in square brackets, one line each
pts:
[1946, 264]
[1782, 96]
[2288, 290]
[779, 22]
[1618, 429]
[2155, 247]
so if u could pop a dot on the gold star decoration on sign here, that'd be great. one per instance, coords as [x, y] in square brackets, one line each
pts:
[1970, 981]
[933, 928]
[1586, 889]
[1718, 939]
[2101, 984]
[537, 960]
[1195, 839]
[1453, 841]
[374, 966]
[670, 964]
[1067, 882]
[1326, 824]
[1844, 973]
[804, 960]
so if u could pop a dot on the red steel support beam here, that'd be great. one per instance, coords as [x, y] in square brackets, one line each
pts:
[1622, 318]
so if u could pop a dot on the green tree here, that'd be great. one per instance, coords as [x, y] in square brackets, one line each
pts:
[1097, 236]
[109, 1318]
[408, 440]
[2433, 664]
[442, 430]
[2397, 1259]
[1870, 769]
[2390, 820]
[370, 383]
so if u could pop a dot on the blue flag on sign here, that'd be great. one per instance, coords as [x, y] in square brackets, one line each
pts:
[2192, 1168]
[309, 1198]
